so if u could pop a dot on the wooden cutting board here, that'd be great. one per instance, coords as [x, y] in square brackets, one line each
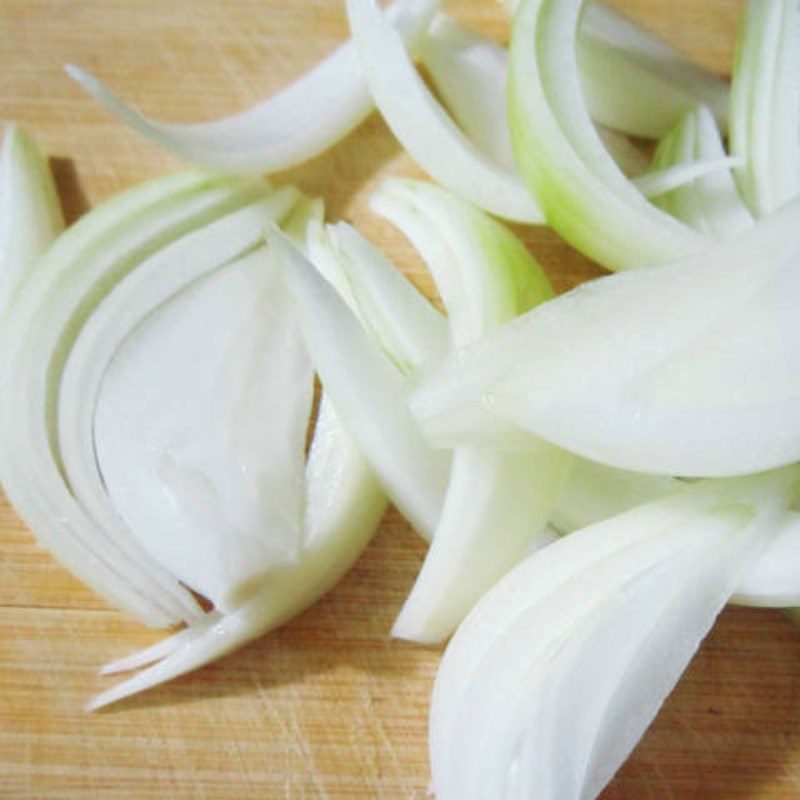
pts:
[329, 706]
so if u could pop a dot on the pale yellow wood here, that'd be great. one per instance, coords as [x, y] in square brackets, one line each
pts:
[329, 706]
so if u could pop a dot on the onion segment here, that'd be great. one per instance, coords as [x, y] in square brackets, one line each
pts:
[343, 501]
[369, 393]
[219, 469]
[38, 333]
[583, 193]
[133, 491]
[425, 129]
[709, 391]
[497, 502]
[300, 122]
[711, 204]
[765, 104]
[469, 73]
[637, 83]
[344, 505]
[401, 320]
[557, 672]
[30, 212]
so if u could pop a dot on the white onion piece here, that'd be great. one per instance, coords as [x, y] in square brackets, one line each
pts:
[583, 193]
[709, 390]
[200, 430]
[557, 672]
[469, 72]
[409, 330]
[425, 129]
[300, 122]
[369, 393]
[153, 283]
[497, 503]
[711, 204]
[636, 82]
[765, 104]
[38, 332]
[344, 505]
[30, 212]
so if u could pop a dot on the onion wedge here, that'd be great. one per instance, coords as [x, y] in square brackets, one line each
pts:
[709, 391]
[765, 104]
[584, 195]
[368, 391]
[558, 671]
[38, 333]
[30, 212]
[425, 129]
[497, 502]
[300, 122]
[344, 505]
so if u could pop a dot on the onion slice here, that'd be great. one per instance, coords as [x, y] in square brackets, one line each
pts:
[497, 502]
[765, 104]
[300, 122]
[344, 505]
[368, 391]
[557, 672]
[637, 83]
[425, 129]
[212, 479]
[709, 391]
[38, 333]
[30, 212]
[408, 329]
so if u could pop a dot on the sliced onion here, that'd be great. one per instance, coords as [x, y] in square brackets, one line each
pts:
[773, 580]
[369, 393]
[708, 390]
[343, 508]
[765, 104]
[497, 502]
[409, 330]
[583, 193]
[557, 672]
[425, 129]
[30, 212]
[469, 72]
[675, 176]
[38, 332]
[637, 83]
[216, 471]
[298, 123]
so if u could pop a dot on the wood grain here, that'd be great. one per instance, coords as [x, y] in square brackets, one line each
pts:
[329, 706]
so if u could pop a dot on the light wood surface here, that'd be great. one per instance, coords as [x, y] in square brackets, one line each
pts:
[329, 706]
